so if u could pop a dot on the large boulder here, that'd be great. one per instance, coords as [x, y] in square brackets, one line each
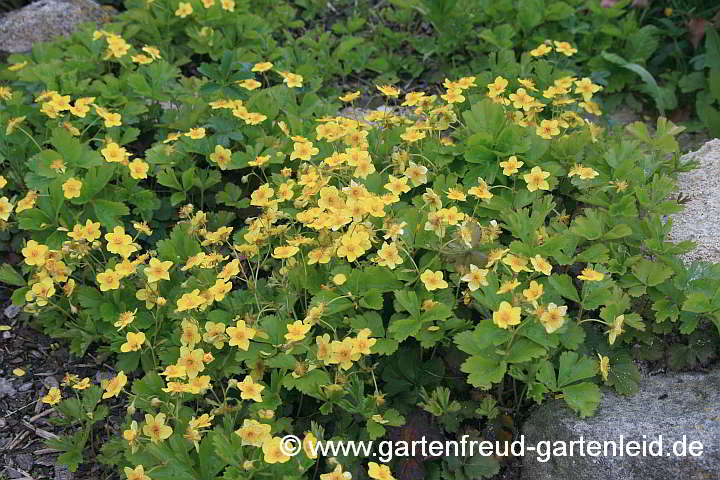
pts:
[44, 20]
[700, 220]
[683, 408]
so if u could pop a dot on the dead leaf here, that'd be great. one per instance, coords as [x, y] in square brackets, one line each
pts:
[696, 29]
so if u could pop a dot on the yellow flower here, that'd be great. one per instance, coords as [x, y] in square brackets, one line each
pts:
[155, 428]
[184, 9]
[540, 50]
[190, 301]
[262, 196]
[222, 156]
[363, 343]
[53, 396]
[250, 84]
[350, 96]
[433, 280]
[388, 90]
[547, 129]
[192, 360]
[586, 88]
[228, 5]
[285, 251]
[12, 124]
[497, 87]
[297, 331]
[475, 278]
[521, 99]
[506, 316]
[413, 134]
[115, 385]
[196, 133]
[249, 390]
[511, 165]
[534, 292]
[389, 256]
[240, 335]
[591, 275]
[158, 270]
[541, 265]
[138, 473]
[309, 444]
[108, 280]
[292, 80]
[336, 474]
[379, 472]
[27, 202]
[565, 48]
[516, 263]
[616, 329]
[536, 179]
[262, 67]
[508, 286]
[138, 169]
[553, 317]
[71, 188]
[125, 319]
[254, 433]
[273, 451]
[303, 151]
[119, 242]
[481, 190]
[134, 342]
[114, 153]
[604, 366]
[35, 253]
[339, 279]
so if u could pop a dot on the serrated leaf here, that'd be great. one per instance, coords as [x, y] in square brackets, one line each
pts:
[574, 367]
[483, 372]
[10, 276]
[563, 285]
[584, 398]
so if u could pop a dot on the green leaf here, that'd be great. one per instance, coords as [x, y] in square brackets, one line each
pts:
[109, 213]
[9, 276]
[372, 299]
[409, 301]
[523, 350]
[697, 302]
[485, 335]
[584, 398]
[94, 182]
[651, 273]
[649, 81]
[574, 367]
[483, 372]
[563, 285]
[402, 328]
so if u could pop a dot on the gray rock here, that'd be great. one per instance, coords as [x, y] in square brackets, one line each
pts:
[700, 220]
[675, 406]
[6, 388]
[44, 20]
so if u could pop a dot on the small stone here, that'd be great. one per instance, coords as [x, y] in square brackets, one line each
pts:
[689, 413]
[24, 461]
[6, 388]
[25, 387]
[11, 311]
[44, 20]
[700, 219]
[50, 382]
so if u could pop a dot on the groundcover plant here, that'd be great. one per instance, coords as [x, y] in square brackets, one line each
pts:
[260, 266]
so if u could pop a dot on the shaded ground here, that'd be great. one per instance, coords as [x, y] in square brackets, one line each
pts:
[25, 421]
